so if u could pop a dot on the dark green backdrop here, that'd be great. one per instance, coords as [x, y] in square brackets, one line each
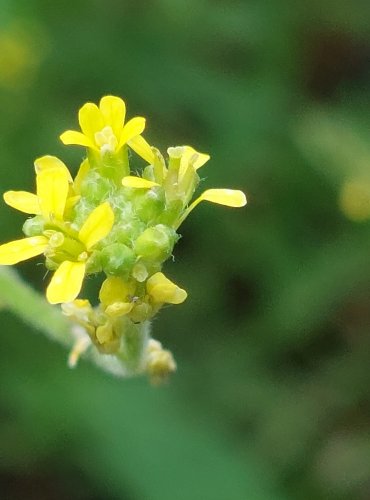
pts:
[271, 399]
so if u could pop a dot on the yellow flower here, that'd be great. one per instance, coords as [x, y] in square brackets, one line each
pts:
[104, 129]
[68, 247]
[180, 180]
[53, 181]
[188, 157]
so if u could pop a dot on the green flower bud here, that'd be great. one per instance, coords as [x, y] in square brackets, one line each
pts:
[95, 188]
[34, 226]
[122, 233]
[156, 243]
[149, 205]
[117, 258]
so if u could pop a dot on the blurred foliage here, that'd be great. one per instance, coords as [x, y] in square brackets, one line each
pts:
[271, 399]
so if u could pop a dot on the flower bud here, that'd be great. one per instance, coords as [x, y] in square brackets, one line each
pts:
[117, 258]
[149, 205]
[155, 243]
[125, 232]
[95, 188]
[34, 226]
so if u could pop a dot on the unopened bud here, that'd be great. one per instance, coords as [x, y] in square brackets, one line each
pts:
[149, 205]
[34, 226]
[117, 258]
[155, 243]
[95, 188]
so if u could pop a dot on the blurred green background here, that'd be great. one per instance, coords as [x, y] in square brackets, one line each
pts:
[272, 395]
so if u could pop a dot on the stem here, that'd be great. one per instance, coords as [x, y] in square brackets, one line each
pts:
[32, 308]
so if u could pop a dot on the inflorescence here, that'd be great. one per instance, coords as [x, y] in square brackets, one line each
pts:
[106, 220]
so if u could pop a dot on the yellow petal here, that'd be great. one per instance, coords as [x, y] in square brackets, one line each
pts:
[19, 250]
[119, 309]
[104, 333]
[66, 283]
[197, 159]
[47, 162]
[115, 289]
[113, 110]
[91, 119]
[81, 174]
[77, 138]
[97, 226]
[142, 148]
[52, 191]
[229, 197]
[23, 201]
[132, 128]
[137, 182]
[163, 290]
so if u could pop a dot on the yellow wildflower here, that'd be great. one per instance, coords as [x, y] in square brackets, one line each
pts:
[180, 180]
[104, 129]
[68, 248]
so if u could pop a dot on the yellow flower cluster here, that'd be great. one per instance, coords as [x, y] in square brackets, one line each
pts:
[106, 220]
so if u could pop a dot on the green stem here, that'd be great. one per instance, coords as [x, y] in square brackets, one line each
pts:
[32, 308]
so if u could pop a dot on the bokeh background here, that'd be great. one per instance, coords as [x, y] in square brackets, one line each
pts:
[272, 395]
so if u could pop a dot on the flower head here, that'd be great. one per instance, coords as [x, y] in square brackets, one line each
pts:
[104, 129]
[107, 220]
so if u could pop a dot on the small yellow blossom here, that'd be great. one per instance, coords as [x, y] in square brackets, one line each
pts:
[188, 157]
[104, 129]
[180, 180]
[58, 240]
